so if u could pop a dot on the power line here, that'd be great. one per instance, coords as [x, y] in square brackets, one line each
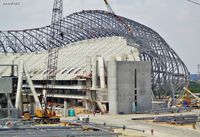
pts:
[194, 2]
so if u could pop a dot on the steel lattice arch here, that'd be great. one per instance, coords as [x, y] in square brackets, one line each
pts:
[169, 73]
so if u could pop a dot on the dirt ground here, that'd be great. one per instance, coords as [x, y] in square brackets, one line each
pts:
[159, 129]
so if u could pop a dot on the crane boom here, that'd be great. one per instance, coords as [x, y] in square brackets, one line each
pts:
[128, 28]
[109, 7]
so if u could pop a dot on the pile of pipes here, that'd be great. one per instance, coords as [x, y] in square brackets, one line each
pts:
[180, 119]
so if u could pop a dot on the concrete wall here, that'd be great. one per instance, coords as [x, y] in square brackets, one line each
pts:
[129, 86]
[143, 86]
[112, 87]
[6, 84]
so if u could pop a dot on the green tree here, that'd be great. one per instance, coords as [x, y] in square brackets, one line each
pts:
[194, 86]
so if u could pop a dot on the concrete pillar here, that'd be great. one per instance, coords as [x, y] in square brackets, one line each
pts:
[8, 104]
[105, 108]
[18, 102]
[65, 109]
[88, 105]
[88, 64]
[9, 100]
[112, 87]
[89, 94]
[44, 93]
[94, 73]
[100, 105]
[28, 78]
[93, 106]
[101, 72]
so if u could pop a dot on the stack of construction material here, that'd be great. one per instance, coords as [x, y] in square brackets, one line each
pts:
[180, 119]
[171, 110]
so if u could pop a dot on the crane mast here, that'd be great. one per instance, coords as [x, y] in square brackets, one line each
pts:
[53, 44]
[57, 15]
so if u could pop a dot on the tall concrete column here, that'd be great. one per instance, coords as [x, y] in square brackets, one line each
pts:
[88, 105]
[101, 72]
[94, 73]
[8, 103]
[44, 93]
[28, 78]
[65, 109]
[93, 106]
[18, 102]
[88, 65]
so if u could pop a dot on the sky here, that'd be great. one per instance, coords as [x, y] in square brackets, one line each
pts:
[177, 21]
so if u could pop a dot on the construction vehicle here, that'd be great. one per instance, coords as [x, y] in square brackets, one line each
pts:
[44, 113]
[192, 102]
[189, 99]
[47, 114]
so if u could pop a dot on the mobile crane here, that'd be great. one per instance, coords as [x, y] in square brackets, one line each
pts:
[45, 114]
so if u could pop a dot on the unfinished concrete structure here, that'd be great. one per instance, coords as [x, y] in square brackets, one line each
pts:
[129, 86]
[82, 70]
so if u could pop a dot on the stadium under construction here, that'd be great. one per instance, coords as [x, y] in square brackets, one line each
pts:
[104, 61]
